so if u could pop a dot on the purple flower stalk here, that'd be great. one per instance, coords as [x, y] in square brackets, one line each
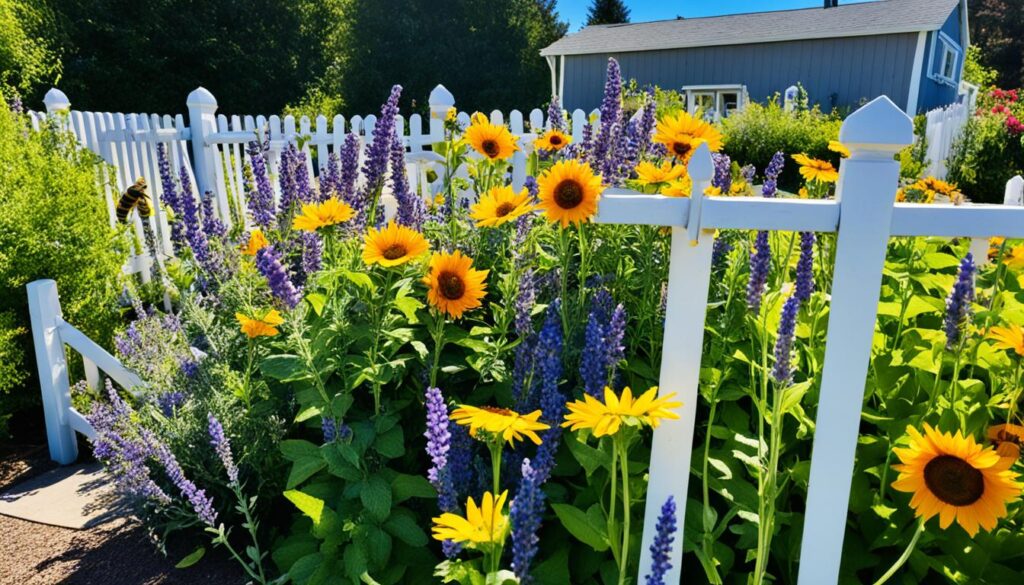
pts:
[530, 183]
[782, 372]
[748, 172]
[201, 504]
[303, 189]
[212, 225]
[760, 262]
[525, 301]
[526, 514]
[170, 197]
[329, 427]
[312, 253]
[805, 267]
[193, 227]
[222, 446]
[168, 402]
[661, 547]
[348, 171]
[771, 175]
[648, 121]
[411, 210]
[556, 120]
[438, 436]
[260, 198]
[328, 180]
[551, 400]
[377, 156]
[723, 172]
[611, 118]
[268, 262]
[958, 303]
[592, 364]
[720, 251]
[287, 184]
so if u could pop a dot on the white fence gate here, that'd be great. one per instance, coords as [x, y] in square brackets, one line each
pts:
[863, 215]
[944, 127]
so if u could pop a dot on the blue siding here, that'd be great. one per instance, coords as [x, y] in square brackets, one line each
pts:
[935, 93]
[842, 72]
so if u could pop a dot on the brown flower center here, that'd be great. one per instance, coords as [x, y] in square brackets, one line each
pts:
[504, 209]
[555, 140]
[568, 194]
[490, 148]
[954, 481]
[450, 286]
[394, 251]
[681, 149]
[497, 410]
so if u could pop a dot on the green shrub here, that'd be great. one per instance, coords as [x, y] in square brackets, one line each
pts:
[984, 157]
[753, 135]
[53, 224]
[27, 59]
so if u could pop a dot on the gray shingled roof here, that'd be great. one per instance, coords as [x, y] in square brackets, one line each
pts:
[846, 20]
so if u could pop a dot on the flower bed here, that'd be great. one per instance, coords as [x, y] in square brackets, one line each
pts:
[466, 393]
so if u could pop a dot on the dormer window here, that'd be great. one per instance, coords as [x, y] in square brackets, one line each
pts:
[946, 64]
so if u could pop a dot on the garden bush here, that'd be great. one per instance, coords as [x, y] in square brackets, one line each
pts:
[990, 149]
[466, 393]
[760, 130]
[53, 224]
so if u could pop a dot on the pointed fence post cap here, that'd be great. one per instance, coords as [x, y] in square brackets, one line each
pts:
[701, 167]
[879, 126]
[55, 99]
[441, 97]
[201, 97]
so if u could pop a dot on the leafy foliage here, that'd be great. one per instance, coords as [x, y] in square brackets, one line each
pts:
[28, 57]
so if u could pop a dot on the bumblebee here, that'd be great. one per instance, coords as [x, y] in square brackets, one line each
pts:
[135, 196]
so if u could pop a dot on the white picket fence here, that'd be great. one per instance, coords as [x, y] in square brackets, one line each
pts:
[944, 127]
[863, 215]
[212, 148]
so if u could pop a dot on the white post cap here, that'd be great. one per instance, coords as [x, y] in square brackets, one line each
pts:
[878, 128]
[56, 100]
[201, 98]
[441, 99]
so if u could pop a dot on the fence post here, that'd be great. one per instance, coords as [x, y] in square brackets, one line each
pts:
[440, 100]
[201, 120]
[689, 279]
[56, 101]
[45, 315]
[866, 195]
[1014, 194]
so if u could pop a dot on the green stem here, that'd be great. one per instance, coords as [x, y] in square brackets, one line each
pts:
[251, 525]
[624, 552]
[375, 348]
[246, 390]
[709, 569]
[438, 334]
[612, 535]
[495, 445]
[903, 557]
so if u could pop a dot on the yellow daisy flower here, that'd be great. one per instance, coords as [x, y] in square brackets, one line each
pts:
[678, 188]
[955, 478]
[552, 140]
[682, 134]
[500, 422]
[393, 245]
[994, 245]
[1014, 257]
[813, 169]
[606, 418]
[483, 525]
[569, 192]
[739, 189]
[265, 326]
[257, 241]
[491, 140]
[454, 286]
[1011, 338]
[318, 215]
[712, 190]
[648, 173]
[500, 205]
[803, 193]
[839, 147]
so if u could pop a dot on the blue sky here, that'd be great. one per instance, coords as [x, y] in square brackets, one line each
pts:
[575, 11]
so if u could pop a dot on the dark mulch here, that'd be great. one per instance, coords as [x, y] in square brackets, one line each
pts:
[119, 552]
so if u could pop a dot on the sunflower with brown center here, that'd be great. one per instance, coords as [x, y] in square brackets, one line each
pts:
[508, 425]
[682, 134]
[553, 140]
[393, 245]
[317, 215]
[491, 140]
[569, 192]
[500, 205]
[1007, 439]
[955, 478]
[814, 169]
[454, 286]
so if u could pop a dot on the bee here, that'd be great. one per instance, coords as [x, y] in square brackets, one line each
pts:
[136, 195]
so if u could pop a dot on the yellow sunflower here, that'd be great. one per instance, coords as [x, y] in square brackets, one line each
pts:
[500, 422]
[1011, 338]
[393, 245]
[803, 193]
[569, 191]
[994, 245]
[264, 326]
[678, 188]
[454, 285]
[483, 525]
[712, 190]
[318, 215]
[1007, 439]
[257, 241]
[955, 478]
[740, 189]
[606, 418]
[682, 134]
[839, 147]
[1014, 258]
[500, 205]
[813, 169]
[491, 140]
[648, 173]
[552, 140]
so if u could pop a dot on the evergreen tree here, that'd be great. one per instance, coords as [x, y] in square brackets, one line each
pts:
[997, 27]
[607, 12]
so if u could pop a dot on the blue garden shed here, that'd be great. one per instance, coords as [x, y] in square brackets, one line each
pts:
[909, 50]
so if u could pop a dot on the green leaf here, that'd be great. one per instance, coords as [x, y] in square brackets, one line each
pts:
[578, 524]
[360, 279]
[590, 458]
[307, 504]
[284, 367]
[376, 497]
[378, 545]
[316, 302]
[304, 469]
[337, 465]
[390, 444]
[307, 413]
[408, 306]
[296, 449]
[406, 486]
[555, 569]
[341, 403]
[355, 561]
[191, 559]
[403, 526]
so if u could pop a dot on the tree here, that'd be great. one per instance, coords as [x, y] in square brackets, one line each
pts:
[607, 12]
[28, 61]
[997, 27]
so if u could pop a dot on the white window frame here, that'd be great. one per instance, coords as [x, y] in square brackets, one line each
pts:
[950, 52]
[717, 93]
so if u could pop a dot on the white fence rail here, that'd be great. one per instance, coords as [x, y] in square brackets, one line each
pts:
[944, 127]
[863, 215]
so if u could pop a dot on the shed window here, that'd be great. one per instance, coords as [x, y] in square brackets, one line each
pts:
[715, 101]
[946, 60]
